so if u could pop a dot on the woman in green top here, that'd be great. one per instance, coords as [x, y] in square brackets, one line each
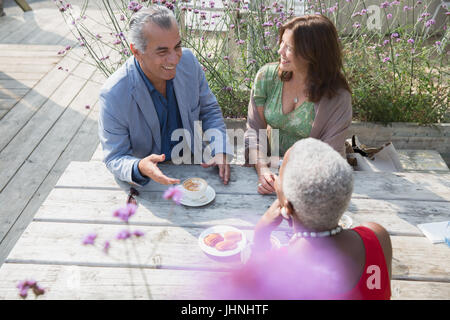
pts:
[303, 95]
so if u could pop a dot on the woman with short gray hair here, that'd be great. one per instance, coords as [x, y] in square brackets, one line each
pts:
[322, 260]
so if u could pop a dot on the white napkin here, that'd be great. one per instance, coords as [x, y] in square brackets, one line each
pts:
[434, 231]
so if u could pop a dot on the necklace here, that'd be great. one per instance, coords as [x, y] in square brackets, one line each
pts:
[322, 234]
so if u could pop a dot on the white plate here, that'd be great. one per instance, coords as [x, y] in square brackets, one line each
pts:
[345, 222]
[221, 230]
[209, 196]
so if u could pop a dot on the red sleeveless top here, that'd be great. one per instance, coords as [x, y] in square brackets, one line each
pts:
[374, 283]
[278, 274]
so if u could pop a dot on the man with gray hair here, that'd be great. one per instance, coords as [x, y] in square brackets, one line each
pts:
[159, 90]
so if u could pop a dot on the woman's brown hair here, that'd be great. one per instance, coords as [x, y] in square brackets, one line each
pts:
[316, 41]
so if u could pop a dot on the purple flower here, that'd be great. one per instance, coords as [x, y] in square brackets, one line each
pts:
[123, 235]
[385, 5]
[386, 59]
[138, 233]
[173, 193]
[389, 16]
[134, 6]
[438, 43]
[385, 42]
[429, 23]
[25, 285]
[90, 238]
[394, 35]
[411, 41]
[125, 213]
[106, 246]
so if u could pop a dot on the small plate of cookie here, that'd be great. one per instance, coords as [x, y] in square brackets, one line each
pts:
[222, 241]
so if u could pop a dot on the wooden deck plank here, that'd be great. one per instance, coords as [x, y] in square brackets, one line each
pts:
[80, 148]
[425, 160]
[419, 290]
[13, 93]
[169, 247]
[12, 49]
[7, 104]
[67, 283]
[52, 137]
[375, 185]
[11, 124]
[20, 147]
[36, 23]
[31, 60]
[14, 84]
[399, 217]
[80, 283]
[56, 23]
[31, 67]
[3, 112]
[19, 76]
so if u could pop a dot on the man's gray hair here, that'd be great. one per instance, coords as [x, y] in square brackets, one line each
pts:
[157, 14]
[318, 182]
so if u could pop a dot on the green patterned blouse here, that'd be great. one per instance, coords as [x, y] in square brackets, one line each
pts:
[294, 126]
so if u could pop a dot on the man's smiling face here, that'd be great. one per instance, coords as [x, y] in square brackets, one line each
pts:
[162, 54]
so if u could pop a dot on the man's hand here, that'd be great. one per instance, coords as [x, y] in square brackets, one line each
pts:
[148, 167]
[221, 161]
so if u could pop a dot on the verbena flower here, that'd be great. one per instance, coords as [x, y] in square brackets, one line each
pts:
[138, 233]
[123, 235]
[106, 246]
[134, 6]
[26, 285]
[173, 193]
[125, 213]
[90, 238]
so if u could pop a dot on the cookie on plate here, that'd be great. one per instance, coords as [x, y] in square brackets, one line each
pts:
[212, 239]
[226, 245]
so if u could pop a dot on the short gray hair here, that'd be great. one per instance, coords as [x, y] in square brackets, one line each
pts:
[318, 183]
[157, 14]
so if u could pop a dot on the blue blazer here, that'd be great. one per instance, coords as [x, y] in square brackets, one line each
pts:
[128, 124]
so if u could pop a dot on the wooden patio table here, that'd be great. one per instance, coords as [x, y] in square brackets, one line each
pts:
[167, 262]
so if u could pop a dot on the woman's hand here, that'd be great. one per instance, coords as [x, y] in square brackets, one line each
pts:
[271, 219]
[266, 181]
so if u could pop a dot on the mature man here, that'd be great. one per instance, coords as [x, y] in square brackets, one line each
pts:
[158, 91]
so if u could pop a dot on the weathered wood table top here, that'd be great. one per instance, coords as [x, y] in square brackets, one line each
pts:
[167, 262]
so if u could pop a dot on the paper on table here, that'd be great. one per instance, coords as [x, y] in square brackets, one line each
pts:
[434, 231]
